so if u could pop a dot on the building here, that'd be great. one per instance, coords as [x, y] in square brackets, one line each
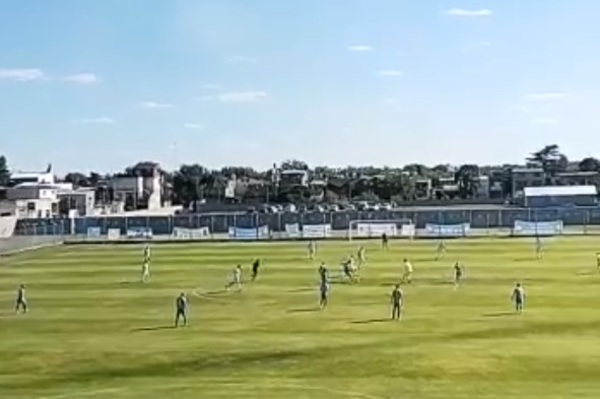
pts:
[34, 200]
[526, 177]
[548, 196]
[290, 178]
[578, 178]
[79, 202]
[46, 177]
[140, 187]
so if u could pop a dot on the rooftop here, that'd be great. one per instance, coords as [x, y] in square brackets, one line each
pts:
[547, 191]
[527, 170]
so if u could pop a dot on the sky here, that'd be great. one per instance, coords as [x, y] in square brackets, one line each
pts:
[101, 85]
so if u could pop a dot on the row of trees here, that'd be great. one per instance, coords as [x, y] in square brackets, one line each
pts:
[194, 182]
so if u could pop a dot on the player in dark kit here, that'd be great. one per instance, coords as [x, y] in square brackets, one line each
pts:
[384, 241]
[518, 297]
[255, 267]
[21, 302]
[458, 273]
[396, 300]
[181, 309]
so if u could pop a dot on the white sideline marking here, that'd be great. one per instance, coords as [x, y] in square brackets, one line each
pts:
[79, 394]
[350, 394]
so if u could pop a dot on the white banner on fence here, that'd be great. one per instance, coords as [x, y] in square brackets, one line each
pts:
[191, 234]
[447, 230]
[316, 230]
[376, 229]
[139, 232]
[114, 234]
[523, 228]
[408, 230]
[238, 233]
[293, 230]
[94, 232]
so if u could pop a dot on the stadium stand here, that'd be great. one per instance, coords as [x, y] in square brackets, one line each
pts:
[7, 226]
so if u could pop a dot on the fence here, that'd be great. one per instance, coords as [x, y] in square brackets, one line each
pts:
[26, 236]
[579, 220]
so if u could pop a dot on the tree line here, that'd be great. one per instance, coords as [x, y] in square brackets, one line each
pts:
[194, 182]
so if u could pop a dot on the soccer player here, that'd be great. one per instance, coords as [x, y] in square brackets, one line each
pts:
[518, 297]
[539, 248]
[255, 267]
[324, 297]
[236, 278]
[147, 254]
[598, 261]
[458, 273]
[323, 273]
[384, 241]
[181, 309]
[440, 250]
[312, 250]
[362, 258]
[348, 268]
[145, 271]
[408, 271]
[21, 302]
[396, 301]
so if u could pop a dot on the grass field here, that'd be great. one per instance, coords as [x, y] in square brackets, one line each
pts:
[95, 332]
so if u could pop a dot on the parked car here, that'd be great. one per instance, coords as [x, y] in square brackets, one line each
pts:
[385, 206]
[291, 208]
[334, 208]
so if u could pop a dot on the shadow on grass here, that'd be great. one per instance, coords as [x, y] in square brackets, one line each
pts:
[303, 310]
[217, 292]
[306, 289]
[498, 314]
[370, 321]
[158, 328]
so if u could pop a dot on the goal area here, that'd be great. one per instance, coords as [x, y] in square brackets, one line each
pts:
[404, 228]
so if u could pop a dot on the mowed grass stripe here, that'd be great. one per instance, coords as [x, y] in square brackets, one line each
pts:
[94, 325]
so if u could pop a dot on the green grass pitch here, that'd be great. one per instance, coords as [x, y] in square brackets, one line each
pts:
[94, 331]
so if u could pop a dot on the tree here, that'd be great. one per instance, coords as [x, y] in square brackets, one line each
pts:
[294, 164]
[417, 169]
[190, 183]
[589, 164]
[4, 172]
[77, 179]
[466, 179]
[551, 160]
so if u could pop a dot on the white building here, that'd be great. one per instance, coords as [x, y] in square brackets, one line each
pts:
[80, 202]
[141, 188]
[46, 177]
[33, 200]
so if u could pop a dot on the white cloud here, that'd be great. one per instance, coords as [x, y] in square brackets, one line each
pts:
[390, 100]
[242, 59]
[242, 97]
[547, 96]
[519, 108]
[194, 126]
[82, 78]
[360, 48]
[211, 86]
[461, 12]
[22, 74]
[204, 98]
[103, 120]
[155, 105]
[390, 72]
[544, 121]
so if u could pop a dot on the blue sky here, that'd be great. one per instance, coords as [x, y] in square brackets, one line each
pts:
[101, 85]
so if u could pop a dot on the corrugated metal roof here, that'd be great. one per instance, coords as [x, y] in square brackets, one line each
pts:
[547, 191]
